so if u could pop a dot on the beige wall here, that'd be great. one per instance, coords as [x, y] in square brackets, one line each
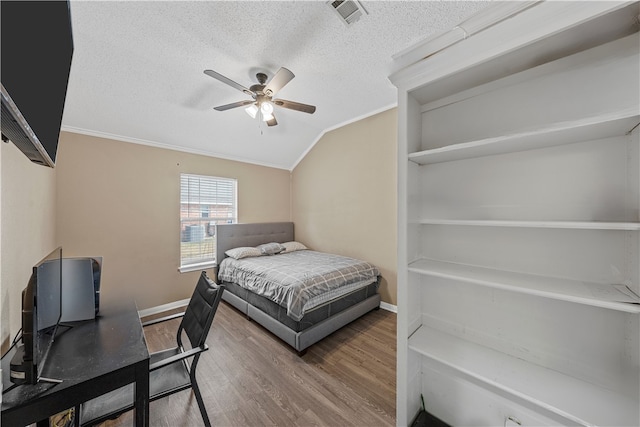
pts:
[121, 201]
[344, 195]
[27, 229]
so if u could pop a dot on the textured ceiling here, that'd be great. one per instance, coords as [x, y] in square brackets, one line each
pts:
[137, 71]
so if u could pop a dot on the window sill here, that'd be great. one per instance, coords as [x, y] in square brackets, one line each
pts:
[197, 267]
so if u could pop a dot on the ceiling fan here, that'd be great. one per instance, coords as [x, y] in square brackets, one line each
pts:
[262, 94]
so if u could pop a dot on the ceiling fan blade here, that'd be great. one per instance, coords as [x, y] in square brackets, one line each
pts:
[228, 81]
[295, 106]
[278, 81]
[272, 122]
[234, 105]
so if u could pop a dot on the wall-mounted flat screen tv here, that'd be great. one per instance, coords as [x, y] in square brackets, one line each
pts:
[37, 47]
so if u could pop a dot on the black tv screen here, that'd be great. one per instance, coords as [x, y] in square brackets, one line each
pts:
[48, 305]
[37, 47]
[41, 312]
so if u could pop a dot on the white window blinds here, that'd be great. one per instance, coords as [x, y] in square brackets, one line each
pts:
[204, 202]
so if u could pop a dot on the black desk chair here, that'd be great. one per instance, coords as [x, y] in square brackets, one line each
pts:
[169, 371]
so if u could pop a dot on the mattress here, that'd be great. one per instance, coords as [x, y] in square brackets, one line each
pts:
[299, 281]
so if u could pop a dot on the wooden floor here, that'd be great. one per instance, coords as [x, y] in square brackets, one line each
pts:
[250, 378]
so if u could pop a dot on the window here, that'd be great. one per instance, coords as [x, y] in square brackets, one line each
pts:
[204, 202]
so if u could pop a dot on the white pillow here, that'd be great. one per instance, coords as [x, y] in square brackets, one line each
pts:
[293, 246]
[243, 252]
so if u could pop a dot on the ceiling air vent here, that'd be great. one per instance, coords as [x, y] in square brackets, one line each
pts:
[349, 11]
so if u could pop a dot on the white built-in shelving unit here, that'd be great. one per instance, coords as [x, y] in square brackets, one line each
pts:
[519, 219]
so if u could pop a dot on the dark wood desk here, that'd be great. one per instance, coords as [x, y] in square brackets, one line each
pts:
[91, 359]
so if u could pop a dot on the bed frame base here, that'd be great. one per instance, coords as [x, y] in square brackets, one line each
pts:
[303, 339]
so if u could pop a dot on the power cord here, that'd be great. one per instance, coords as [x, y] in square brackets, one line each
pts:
[14, 342]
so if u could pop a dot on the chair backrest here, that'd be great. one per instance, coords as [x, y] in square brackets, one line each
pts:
[198, 316]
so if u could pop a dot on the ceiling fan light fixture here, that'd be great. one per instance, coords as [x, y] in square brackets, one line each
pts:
[252, 110]
[266, 108]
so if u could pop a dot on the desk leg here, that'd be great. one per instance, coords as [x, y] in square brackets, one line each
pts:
[142, 394]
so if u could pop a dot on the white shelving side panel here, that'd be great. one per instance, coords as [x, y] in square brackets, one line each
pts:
[577, 401]
[588, 129]
[575, 291]
[581, 225]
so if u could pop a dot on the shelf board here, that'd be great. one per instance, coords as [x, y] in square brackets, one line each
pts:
[582, 225]
[603, 126]
[579, 402]
[574, 291]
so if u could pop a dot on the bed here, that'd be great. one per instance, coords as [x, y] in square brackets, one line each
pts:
[302, 320]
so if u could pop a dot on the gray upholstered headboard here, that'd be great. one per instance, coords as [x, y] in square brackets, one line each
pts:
[229, 236]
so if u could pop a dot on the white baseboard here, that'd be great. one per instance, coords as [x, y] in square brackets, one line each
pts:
[162, 308]
[388, 307]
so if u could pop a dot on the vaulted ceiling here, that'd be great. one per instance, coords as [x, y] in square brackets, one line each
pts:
[137, 72]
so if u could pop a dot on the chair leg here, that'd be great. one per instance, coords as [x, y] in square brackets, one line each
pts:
[203, 410]
[196, 391]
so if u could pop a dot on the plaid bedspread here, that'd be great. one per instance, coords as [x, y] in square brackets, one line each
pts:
[299, 280]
